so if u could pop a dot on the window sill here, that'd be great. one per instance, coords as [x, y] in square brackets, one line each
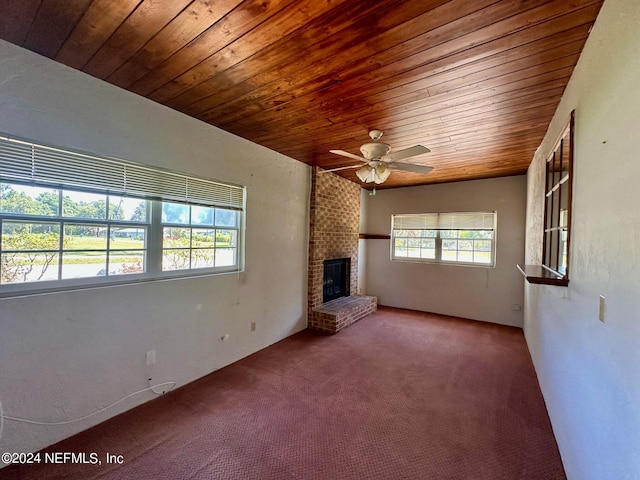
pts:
[540, 275]
[37, 288]
[431, 261]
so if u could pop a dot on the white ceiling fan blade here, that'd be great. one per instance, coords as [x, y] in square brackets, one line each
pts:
[341, 168]
[406, 153]
[409, 167]
[349, 155]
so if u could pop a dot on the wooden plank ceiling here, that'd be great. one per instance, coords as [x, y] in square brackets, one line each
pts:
[475, 81]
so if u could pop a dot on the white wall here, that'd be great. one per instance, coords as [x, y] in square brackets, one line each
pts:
[362, 244]
[590, 371]
[67, 354]
[487, 294]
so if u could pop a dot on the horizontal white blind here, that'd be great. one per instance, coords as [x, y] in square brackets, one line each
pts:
[466, 221]
[423, 221]
[29, 162]
[445, 221]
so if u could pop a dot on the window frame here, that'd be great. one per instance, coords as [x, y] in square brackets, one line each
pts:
[152, 251]
[438, 238]
[63, 221]
[215, 227]
[558, 193]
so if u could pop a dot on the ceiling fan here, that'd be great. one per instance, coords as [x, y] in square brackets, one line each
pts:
[377, 161]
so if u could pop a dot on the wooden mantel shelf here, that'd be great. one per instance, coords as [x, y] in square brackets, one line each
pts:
[539, 274]
[370, 236]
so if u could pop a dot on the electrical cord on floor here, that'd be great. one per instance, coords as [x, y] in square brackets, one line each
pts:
[66, 422]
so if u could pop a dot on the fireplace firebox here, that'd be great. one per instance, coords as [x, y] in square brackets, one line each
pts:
[335, 280]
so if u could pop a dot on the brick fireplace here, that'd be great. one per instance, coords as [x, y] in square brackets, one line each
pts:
[333, 235]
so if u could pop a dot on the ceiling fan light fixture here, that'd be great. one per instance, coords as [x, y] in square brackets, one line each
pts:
[382, 173]
[364, 174]
[368, 174]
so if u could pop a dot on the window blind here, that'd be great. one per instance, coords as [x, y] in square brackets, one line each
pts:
[31, 162]
[423, 221]
[466, 221]
[445, 221]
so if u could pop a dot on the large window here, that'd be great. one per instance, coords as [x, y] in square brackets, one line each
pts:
[456, 238]
[71, 219]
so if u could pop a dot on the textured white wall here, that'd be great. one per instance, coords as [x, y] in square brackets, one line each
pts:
[478, 293]
[590, 371]
[64, 355]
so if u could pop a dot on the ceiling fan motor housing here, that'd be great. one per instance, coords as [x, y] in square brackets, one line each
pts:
[375, 150]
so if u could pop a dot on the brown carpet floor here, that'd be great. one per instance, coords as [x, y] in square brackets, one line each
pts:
[399, 395]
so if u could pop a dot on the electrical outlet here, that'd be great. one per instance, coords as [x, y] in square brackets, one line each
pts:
[601, 309]
[253, 326]
[151, 357]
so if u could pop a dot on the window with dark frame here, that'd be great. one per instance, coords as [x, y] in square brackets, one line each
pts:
[557, 209]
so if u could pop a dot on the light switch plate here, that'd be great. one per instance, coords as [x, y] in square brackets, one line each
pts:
[151, 357]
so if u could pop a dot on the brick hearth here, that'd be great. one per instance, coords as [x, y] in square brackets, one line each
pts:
[333, 316]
